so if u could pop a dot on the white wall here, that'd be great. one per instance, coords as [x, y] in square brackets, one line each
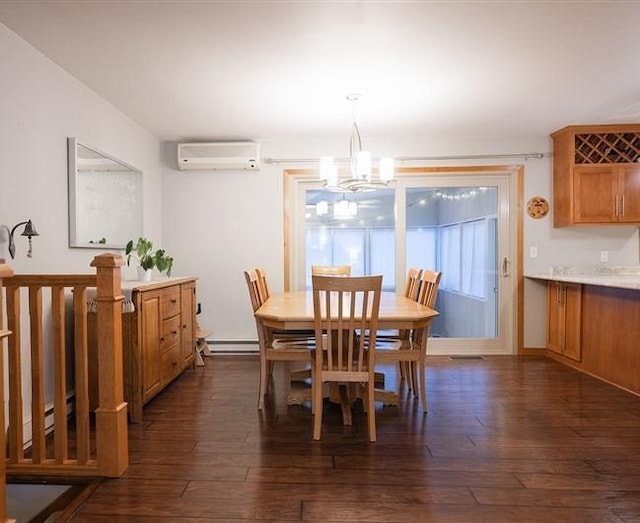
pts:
[219, 224]
[40, 106]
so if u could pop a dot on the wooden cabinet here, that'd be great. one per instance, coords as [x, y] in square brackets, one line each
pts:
[611, 329]
[596, 175]
[565, 319]
[158, 339]
[595, 329]
[147, 362]
[188, 324]
[607, 194]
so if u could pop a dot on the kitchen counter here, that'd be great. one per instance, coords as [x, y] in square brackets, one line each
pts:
[616, 277]
[593, 321]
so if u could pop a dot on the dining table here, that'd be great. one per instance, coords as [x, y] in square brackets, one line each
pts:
[293, 311]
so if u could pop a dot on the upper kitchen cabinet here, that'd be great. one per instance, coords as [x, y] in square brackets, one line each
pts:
[596, 174]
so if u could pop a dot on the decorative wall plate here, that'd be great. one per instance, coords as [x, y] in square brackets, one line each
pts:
[537, 207]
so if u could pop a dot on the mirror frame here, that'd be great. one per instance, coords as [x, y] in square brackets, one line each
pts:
[73, 189]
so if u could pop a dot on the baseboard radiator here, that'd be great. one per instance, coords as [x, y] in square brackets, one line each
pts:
[249, 347]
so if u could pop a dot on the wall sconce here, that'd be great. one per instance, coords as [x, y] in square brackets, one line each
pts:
[29, 231]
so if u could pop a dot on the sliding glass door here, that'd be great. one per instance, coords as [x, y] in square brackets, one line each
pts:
[458, 223]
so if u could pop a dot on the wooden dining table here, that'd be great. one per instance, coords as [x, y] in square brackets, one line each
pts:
[293, 311]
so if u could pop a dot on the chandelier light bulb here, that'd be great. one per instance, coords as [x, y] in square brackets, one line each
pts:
[363, 165]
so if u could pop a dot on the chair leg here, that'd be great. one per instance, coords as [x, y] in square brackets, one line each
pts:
[423, 387]
[371, 411]
[264, 379]
[316, 403]
[416, 379]
[313, 387]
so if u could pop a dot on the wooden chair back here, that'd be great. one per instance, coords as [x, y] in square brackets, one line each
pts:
[256, 294]
[346, 320]
[429, 284]
[331, 270]
[412, 283]
[263, 284]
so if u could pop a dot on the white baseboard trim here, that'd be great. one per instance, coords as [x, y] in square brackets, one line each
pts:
[232, 346]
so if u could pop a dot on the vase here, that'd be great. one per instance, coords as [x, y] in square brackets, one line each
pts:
[144, 275]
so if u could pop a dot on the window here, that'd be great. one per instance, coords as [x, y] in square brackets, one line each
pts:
[464, 254]
[450, 257]
[365, 250]
[422, 247]
[363, 238]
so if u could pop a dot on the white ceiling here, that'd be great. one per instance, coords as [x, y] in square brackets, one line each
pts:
[225, 70]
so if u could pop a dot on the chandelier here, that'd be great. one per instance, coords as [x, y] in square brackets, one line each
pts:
[360, 177]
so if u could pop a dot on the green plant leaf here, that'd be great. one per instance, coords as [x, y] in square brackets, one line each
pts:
[147, 259]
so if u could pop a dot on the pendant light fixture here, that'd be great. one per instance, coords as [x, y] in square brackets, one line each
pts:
[360, 177]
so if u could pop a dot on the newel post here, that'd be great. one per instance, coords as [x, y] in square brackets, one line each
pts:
[5, 272]
[111, 415]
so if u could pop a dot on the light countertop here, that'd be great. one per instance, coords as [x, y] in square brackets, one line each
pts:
[618, 277]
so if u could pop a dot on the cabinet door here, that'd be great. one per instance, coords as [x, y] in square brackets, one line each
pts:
[565, 308]
[149, 336]
[187, 315]
[555, 329]
[572, 303]
[595, 190]
[630, 193]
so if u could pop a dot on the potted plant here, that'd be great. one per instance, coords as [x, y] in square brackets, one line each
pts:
[142, 250]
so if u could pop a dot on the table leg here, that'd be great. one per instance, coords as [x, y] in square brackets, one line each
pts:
[345, 404]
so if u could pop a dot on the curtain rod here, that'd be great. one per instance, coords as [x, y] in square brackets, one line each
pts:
[525, 156]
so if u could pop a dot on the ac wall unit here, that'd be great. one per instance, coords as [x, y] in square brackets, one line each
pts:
[219, 156]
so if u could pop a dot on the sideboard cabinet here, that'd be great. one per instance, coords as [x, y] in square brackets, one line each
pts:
[596, 174]
[158, 339]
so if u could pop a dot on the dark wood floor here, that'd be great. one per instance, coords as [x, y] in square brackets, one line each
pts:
[506, 440]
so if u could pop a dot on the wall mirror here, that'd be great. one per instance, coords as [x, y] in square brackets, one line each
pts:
[105, 199]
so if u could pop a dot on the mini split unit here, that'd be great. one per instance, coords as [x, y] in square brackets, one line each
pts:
[219, 156]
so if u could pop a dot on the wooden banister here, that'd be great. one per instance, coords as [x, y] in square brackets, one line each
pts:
[54, 300]
[111, 415]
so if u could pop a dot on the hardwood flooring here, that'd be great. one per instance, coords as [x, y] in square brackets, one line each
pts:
[505, 440]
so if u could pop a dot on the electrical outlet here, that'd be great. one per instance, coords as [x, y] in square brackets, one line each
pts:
[533, 252]
[604, 256]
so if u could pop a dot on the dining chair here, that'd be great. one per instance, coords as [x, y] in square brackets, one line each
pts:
[273, 348]
[414, 351]
[346, 320]
[265, 292]
[412, 283]
[263, 284]
[331, 270]
[401, 337]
